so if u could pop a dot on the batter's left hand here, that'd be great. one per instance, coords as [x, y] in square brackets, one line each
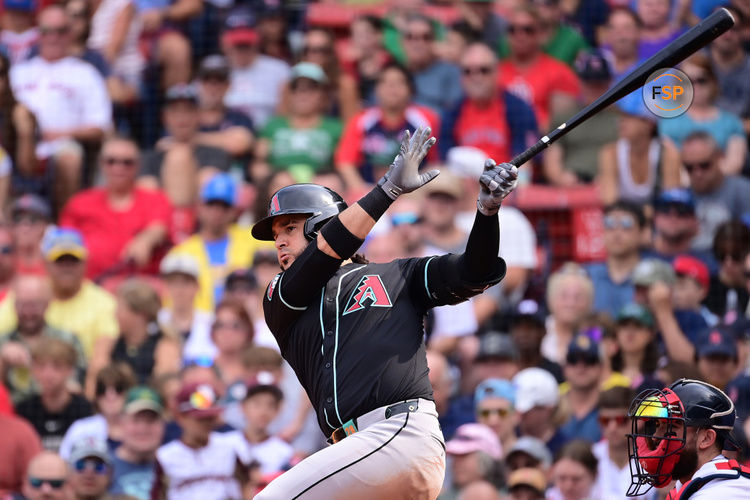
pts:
[403, 176]
[496, 182]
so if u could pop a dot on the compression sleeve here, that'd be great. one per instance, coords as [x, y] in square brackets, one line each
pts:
[480, 259]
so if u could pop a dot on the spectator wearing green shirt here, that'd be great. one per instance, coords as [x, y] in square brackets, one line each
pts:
[303, 142]
[561, 41]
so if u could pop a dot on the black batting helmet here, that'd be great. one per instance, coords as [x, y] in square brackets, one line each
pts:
[317, 202]
[657, 438]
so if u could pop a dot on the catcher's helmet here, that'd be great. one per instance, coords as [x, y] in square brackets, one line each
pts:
[659, 421]
[318, 202]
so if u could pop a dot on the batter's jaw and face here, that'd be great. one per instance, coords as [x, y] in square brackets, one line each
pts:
[289, 238]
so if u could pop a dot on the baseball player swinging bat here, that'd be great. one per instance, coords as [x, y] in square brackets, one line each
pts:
[690, 42]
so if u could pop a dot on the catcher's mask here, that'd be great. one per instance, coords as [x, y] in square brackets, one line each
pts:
[659, 422]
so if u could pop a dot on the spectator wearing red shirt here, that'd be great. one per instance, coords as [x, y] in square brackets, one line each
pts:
[372, 138]
[497, 122]
[540, 80]
[122, 224]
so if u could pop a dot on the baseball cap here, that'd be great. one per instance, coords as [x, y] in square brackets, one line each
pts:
[22, 5]
[198, 399]
[33, 204]
[241, 276]
[496, 345]
[528, 476]
[495, 388]
[474, 437]
[214, 65]
[309, 70]
[738, 391]
[239, 28]
[143, 398]
[220, 187]
[650, 271]
[692, 267]
[263, 382]
[533, 447]
[89, 446]
[635, 312]
[681, 198]
[181, 92]
[179, 263]
[593, 67]
[535, 387]
[59, 241]
[717, 342]
[466, 162]
[582, 346]
[445, 183]
[633, 105]
[528, 310]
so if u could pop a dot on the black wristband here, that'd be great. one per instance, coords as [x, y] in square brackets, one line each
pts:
[340, 239]
[375, 203]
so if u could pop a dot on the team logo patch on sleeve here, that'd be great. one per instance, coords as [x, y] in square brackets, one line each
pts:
[369, 291]
[272, 286]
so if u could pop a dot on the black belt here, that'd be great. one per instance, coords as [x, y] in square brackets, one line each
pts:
[351, 427]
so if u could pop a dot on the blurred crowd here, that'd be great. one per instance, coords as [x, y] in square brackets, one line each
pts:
[139, 140]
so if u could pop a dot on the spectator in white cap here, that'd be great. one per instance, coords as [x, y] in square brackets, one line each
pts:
[91, 467]
[475, 453]
[494, 401]
[537, 398]
[528, 452]
[180, 317]
[518, 252]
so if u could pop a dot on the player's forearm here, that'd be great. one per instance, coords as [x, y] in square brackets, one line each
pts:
[480, 261]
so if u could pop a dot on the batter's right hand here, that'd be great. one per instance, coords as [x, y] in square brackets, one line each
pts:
[496, 182]
[403, 176]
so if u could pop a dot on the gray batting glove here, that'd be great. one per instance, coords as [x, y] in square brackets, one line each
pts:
[496, 182]
[403, 176]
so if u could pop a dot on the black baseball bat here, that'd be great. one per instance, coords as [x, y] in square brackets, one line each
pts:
[689, 42]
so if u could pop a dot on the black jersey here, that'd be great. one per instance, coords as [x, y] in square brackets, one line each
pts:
[358, 342]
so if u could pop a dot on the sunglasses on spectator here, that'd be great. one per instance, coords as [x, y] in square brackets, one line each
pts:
[234, 325]
[38, 482]
[473, 70]
[404, 218]
[101, 389]
[735, 256]
[488, 412]
[57, 30]
[114, 160]
[7, 249]
[701, 80]
[27, 218]
[316, 49]
[527, 29]
[586, 360]
[78, 14]
[620, 420]
[613, 222]
[204, 361]
[680, 208]
[419, 37]
[702, 165]
[97, 465]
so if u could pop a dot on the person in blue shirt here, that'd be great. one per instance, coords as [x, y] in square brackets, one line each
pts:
[583, 371]
[623, 226]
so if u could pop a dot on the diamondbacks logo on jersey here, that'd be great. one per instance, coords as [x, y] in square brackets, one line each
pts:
[271, 287]
[370, 290]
